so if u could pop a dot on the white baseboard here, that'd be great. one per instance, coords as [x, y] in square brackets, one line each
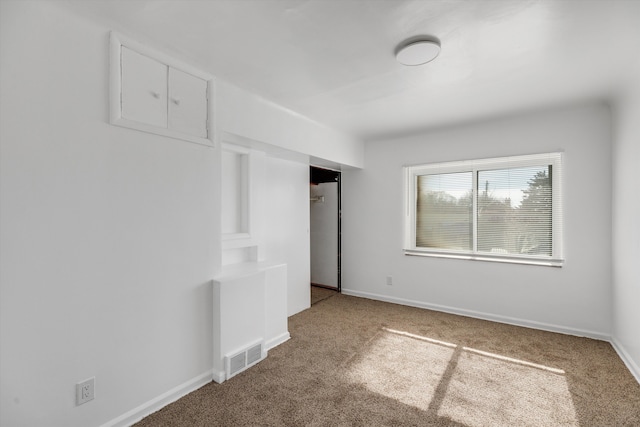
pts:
[626, 358]
[219, 376]
[183, 389]
[480, 315]
[276, 341]
[136, 414]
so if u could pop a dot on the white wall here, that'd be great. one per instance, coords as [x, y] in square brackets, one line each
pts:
[286, 226]
[242, 113]
[575, 298]
[626, 226]
[109, 236]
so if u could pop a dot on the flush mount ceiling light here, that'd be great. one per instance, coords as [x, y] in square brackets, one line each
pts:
[418, 52]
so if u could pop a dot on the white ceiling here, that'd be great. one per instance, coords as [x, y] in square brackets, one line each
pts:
[333, 60]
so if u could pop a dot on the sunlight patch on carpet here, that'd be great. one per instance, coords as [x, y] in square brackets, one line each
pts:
[420, 337]
[512, 360]
[507, 391]
[463, 384]
[403, 368]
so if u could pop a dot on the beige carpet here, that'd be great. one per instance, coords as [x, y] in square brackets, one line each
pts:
[357, 362]
[319, 294]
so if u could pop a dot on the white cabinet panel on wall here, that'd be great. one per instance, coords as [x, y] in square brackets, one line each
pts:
[144, 89]
[155, 93]
[187, 103]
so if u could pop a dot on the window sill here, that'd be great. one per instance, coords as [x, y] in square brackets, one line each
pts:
[546, 262]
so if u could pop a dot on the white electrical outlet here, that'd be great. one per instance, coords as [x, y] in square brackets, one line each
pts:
[85, 391]
[389, 280]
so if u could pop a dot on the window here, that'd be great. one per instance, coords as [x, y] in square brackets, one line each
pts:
[505, 209]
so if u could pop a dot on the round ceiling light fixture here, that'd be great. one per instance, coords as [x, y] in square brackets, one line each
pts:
[418, 52]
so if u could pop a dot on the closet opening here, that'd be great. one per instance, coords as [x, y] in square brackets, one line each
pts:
[325, 231]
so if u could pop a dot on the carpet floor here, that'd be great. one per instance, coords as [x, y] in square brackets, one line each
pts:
[318, 294]
[357, 362]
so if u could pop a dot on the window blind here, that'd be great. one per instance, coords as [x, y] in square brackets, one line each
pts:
[444, 211]
[502, 209]
[514, 211]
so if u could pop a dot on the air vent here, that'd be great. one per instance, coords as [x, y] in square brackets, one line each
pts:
[237, 363]
[244, 359]
[254, 354]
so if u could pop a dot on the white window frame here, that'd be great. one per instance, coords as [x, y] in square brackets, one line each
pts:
[411, 174]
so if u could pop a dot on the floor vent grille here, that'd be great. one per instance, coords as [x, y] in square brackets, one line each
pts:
[254, 354]
[244, 359]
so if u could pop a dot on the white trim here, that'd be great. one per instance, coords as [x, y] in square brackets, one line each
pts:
[626, 358]
[481, 256]
[136, 414]
[276, 341]
[511, 161]
[176, 393]
[219, 376]
[481, 315]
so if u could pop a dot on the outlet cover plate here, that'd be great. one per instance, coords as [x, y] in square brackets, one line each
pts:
[85, 391]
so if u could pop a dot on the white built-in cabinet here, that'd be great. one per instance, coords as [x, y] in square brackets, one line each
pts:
[250, 292]
[155, 93]
[249, 315]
